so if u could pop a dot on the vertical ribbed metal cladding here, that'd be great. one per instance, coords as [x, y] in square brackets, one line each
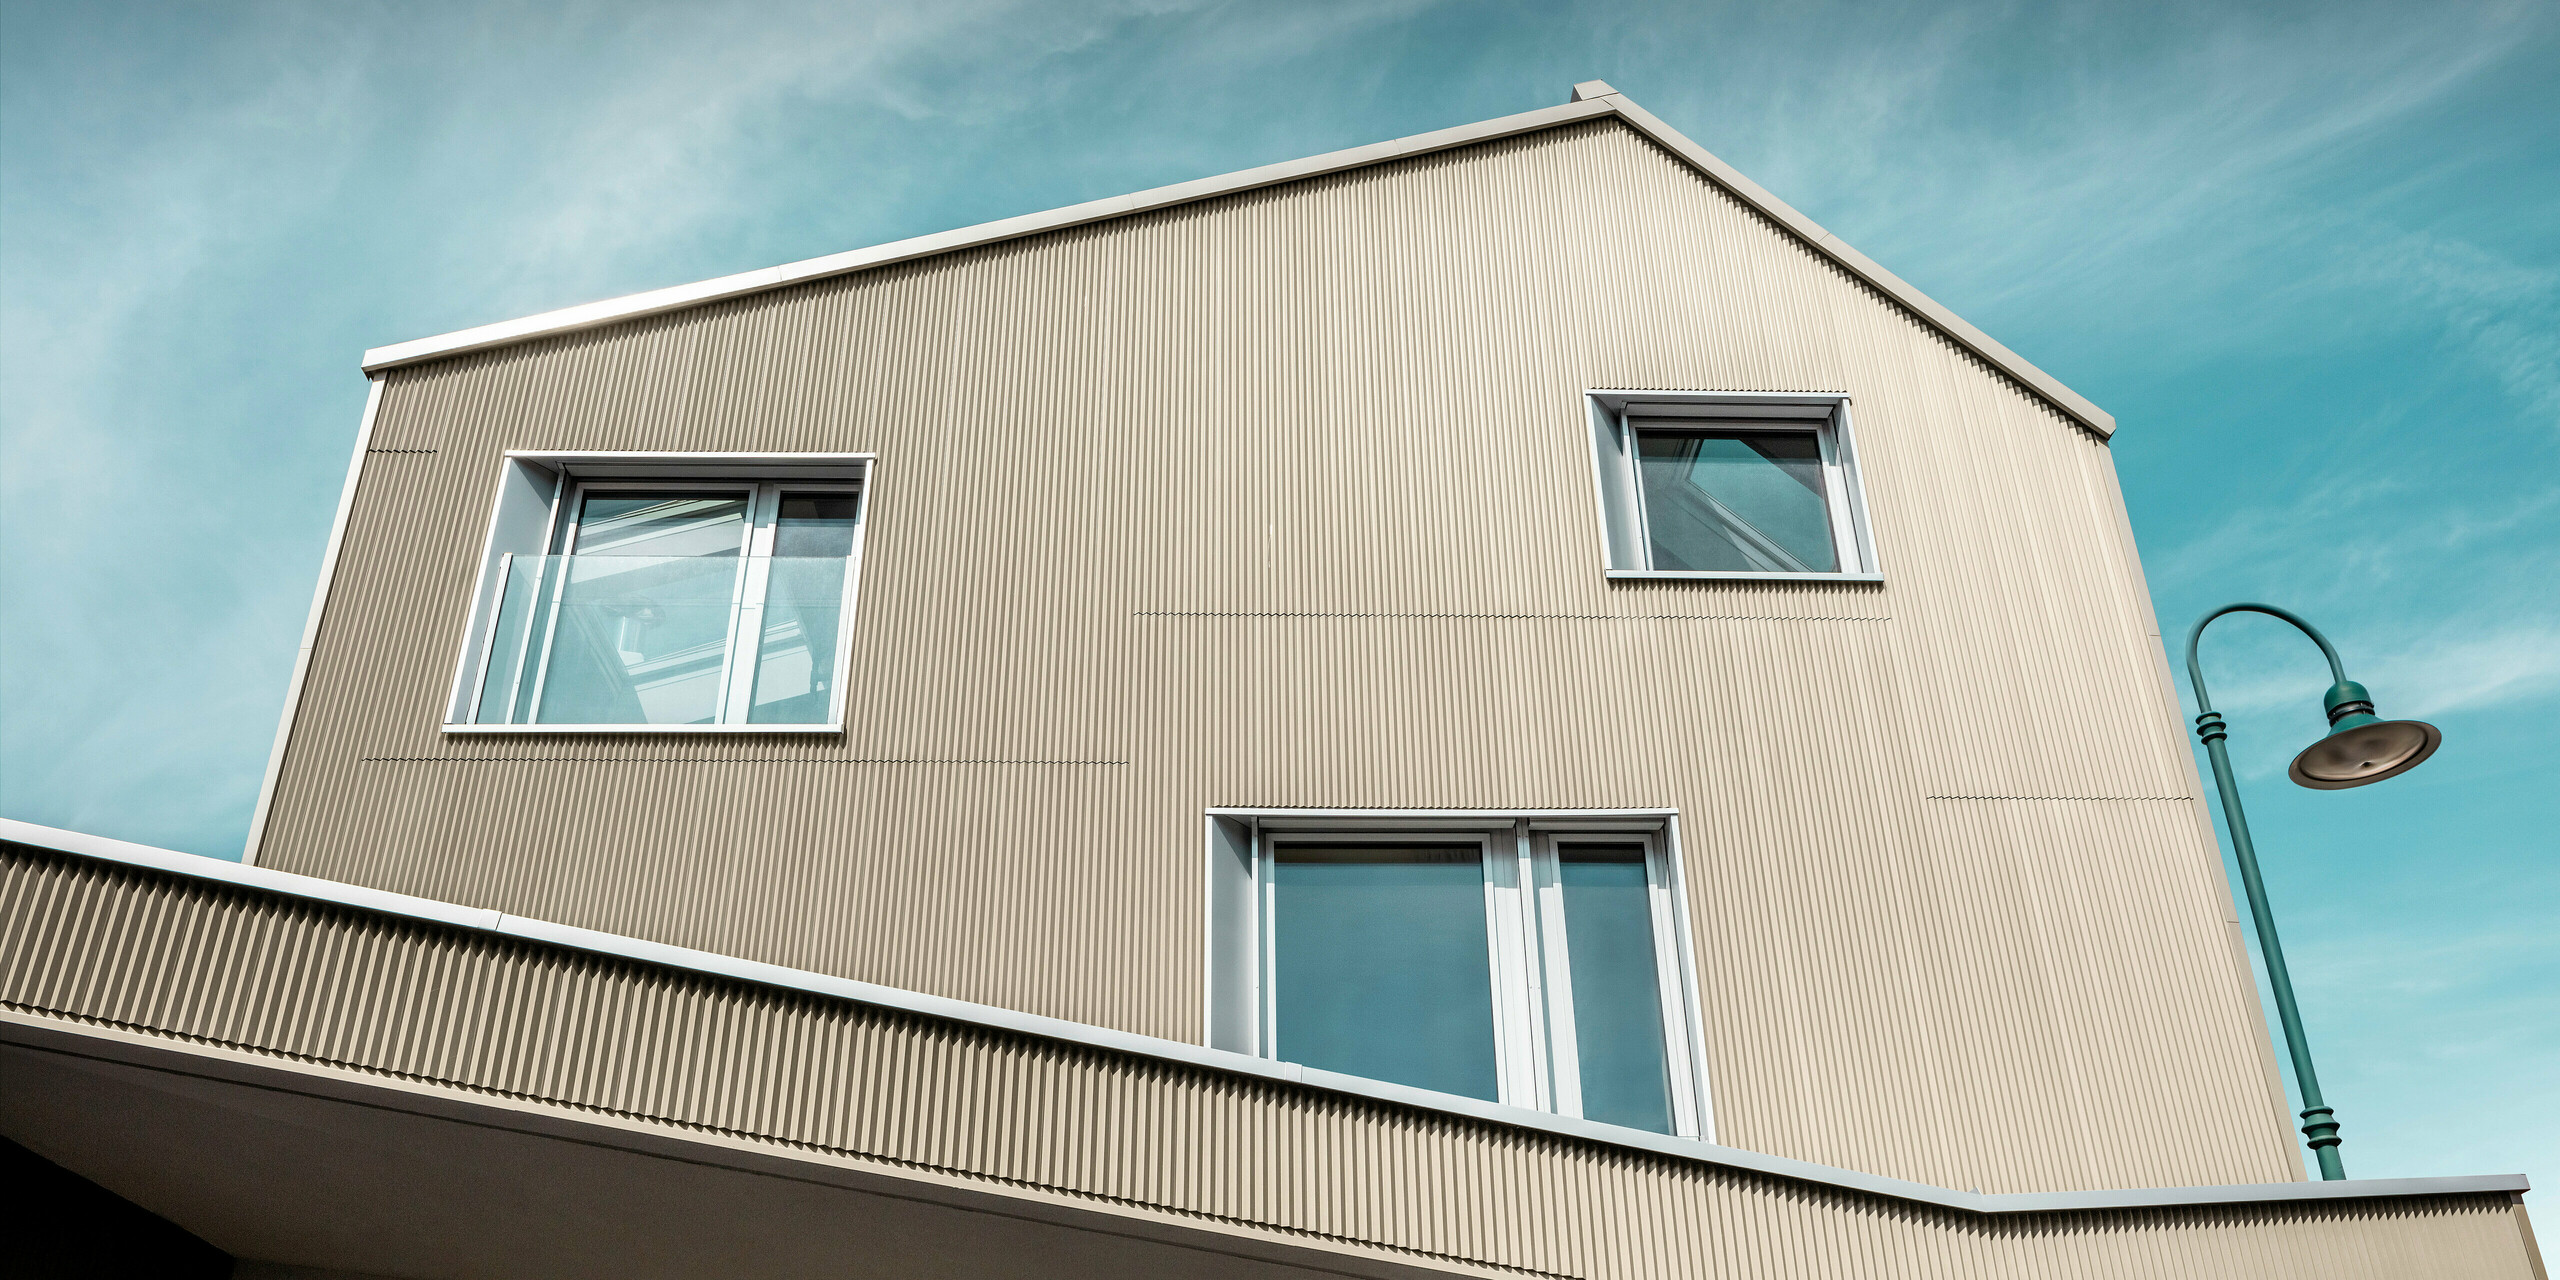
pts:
[214, 963]
[1285, 499]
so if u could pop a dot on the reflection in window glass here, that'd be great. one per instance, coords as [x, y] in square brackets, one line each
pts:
[803, 606]
[639, 639]
[661, 524]
[1380, 964]
[640, 616]
[1617, 997]
[815, 524]
[1735, 500]
[695, 604]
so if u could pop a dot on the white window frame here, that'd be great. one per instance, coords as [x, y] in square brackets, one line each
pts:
[1626, 548]
[1537, 1066]
[557, 482]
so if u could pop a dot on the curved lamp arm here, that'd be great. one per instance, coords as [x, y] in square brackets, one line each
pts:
[2319, 1120]
[2195, 670]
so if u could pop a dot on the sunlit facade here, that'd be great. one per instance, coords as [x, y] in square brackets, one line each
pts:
[1495, 704]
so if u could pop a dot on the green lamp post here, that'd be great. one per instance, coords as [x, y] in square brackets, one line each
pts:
[2360, 747]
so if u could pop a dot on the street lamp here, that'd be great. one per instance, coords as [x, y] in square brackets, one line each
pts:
[2360, 747]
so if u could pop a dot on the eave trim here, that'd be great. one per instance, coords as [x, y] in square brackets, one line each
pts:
[1599, 102]
[313, 889]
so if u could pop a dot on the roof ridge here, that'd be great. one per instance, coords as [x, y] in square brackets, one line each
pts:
[1592, 99]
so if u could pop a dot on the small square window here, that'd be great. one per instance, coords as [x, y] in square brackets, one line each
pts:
[1701, 486]
[635, 594]
[1537, 962]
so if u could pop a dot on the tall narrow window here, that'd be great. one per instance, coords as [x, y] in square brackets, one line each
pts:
[803, 607]
[1519, 963]
[1620, 1056]
[669, 603]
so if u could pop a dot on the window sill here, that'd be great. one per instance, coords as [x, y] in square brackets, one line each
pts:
[1682, 575]
[801, 729]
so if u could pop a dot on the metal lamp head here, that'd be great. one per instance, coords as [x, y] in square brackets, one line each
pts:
[2361, 747]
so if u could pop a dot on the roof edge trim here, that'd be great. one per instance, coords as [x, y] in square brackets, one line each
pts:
[636, 305]
[1606, 102]
[484, 920]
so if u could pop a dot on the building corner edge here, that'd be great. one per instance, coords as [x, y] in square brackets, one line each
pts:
[259, 815]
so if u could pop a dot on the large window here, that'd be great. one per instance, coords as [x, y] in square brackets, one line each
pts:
[664, 601]
[1726, 486]
[1530, 961]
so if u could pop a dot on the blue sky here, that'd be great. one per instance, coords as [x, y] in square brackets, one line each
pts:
[2308, 255]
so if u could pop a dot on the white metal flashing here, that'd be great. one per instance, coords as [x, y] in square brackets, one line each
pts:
[481, 919]
[1591, 100]
[311, 626]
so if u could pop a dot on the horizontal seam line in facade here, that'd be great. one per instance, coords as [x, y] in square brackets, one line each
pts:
[763, 1138]
[2057, 797]
[403, 451]
[1536, 617]
[698, 760]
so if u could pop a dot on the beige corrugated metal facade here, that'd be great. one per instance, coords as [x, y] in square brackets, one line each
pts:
[1284, 498]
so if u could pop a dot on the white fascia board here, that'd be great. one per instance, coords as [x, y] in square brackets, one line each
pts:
[1865, 268]
[301, 674]
[709, 963]
[1601, 101]
[197, 866]
[636, 305]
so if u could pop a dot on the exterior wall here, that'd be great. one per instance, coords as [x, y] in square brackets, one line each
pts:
[343, 988]
[1284, 499]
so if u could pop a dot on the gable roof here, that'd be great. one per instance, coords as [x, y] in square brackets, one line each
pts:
[1591, 100]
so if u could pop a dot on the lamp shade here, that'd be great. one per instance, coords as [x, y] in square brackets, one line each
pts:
[2362, 747]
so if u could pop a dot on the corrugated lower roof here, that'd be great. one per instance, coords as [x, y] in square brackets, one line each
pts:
[1591, 100]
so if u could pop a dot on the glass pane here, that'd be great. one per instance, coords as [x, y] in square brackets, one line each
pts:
[1735, 500]
[661, 523]
[632, 639]
[815, 524]
[1380, 966]
[1617, 993]
[635, 627]
[796, 664]
[523, 615]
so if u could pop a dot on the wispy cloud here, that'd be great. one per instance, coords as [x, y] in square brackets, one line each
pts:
[2457, 672]
[2503, 314]
[726, 89]
[221, 207]
[2160, 168]
[140, 650]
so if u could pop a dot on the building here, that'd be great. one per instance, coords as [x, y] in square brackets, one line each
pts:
[1499, 703]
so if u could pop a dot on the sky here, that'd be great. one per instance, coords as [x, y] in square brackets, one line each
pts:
[2308, 255]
